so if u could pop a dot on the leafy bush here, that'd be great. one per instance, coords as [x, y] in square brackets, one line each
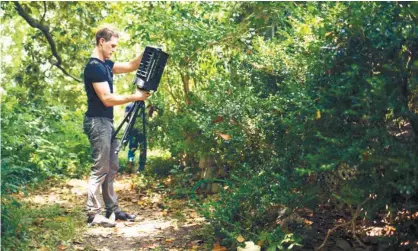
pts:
[40, 141]
[328, 125]
[297, 105]
[26, 228]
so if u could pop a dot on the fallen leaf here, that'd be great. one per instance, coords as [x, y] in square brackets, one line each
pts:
[240, 238]
[197, 242]
[225, 136]
[39, 221]
[218, 247]
[308, 222]
[318, 114]
[61, 247]
[217, 119]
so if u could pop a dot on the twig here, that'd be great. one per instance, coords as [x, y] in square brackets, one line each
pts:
[354, 229]
[352, 221]
[45, 30]
[43, 16]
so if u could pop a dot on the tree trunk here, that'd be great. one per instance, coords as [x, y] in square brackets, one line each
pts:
[209, 170]
[405, 111]
[186, 87]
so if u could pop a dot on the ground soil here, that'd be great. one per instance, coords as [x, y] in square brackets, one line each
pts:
[160, 224]
[167, 223]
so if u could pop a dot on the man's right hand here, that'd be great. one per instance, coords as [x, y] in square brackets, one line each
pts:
[141, 95]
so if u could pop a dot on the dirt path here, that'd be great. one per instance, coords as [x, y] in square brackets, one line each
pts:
[162, 223]
[166, 223]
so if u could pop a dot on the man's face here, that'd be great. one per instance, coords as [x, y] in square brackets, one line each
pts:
[109, 47]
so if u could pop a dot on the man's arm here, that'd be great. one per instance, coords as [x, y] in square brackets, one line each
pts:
[110, 99]
[128, 66]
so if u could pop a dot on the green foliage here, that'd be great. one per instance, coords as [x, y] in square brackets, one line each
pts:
[334, 105]
[39, 141]
[248, 207]
[26, 228]
[160, 166]
[286, 98]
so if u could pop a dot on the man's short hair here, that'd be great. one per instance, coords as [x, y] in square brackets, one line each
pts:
[106, 32]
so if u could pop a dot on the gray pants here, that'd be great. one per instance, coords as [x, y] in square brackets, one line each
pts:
[106, 165]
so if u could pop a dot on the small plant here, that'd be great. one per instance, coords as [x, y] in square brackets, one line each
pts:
[26, 227]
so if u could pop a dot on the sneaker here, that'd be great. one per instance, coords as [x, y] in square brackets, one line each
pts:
[121, 216]
[100, 220]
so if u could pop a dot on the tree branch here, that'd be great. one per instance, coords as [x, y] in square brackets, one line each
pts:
[186, 88]
[352, 222]
[45, 30]
[230, 37]
[43, 17]
[171, 92]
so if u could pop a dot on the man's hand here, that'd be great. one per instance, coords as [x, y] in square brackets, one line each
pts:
[125, 67]
[141, 95]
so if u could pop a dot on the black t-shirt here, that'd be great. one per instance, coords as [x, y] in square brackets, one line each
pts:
[98, 71]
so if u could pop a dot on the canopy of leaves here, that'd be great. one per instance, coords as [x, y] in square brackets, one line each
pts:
[280, 95]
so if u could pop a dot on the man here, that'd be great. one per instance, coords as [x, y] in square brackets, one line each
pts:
[98, 125]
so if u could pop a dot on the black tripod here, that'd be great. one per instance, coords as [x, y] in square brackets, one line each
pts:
[147, 78]
[137, 109]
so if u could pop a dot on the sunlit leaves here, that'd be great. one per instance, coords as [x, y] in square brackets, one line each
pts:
[278, 93]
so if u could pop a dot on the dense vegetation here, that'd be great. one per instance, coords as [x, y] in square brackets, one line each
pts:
[293, 105]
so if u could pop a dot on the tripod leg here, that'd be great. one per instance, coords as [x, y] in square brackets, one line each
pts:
[132, 119]
[127, 118]
[143, 153]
